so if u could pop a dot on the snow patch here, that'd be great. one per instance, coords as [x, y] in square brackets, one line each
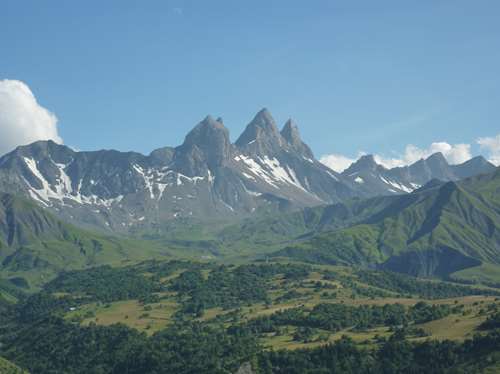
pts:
[62, 189]
[398, 186]
[148, 179]
[271, 171]
[331, 175]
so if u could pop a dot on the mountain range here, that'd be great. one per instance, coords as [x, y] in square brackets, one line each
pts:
[206, 178]
[378, 180]
[263, 195]
[437, 230]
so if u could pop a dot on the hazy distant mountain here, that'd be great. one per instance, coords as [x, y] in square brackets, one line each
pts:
[378, 180]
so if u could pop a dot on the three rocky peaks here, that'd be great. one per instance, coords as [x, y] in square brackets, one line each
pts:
[207, 177]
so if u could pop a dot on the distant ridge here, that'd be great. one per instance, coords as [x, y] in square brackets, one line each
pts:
[382, 181]
[441, 228]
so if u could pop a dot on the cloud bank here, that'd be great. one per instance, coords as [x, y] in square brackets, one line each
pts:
[492, 147]
[337, 162]
[22, 119]
[454, 154]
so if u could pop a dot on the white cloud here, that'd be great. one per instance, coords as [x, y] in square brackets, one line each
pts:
[337, 162]
[22, 119]
[387, 162]
[454, 154]
[492, 146]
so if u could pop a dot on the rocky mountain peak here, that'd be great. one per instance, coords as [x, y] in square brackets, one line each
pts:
[44, 149]
[365, 163]
[291, 134]
[473, 166]
[207, 145]
[291, 131]
[478, 161]
[207, 130]
[206, 176]
[44, 155]
[261, 136]
[438, 166]
[436, 159]
[265, 120]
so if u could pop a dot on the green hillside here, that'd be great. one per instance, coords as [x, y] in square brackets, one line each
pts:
[34, 245]
[260, 234]
[435, 231]
[7, 367]
[449, 229]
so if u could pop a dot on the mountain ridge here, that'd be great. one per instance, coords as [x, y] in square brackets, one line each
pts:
[405, 179]
[206, 177]
[434, 231]
[36, 245]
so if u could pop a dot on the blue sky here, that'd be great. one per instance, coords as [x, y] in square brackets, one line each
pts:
[356, 75]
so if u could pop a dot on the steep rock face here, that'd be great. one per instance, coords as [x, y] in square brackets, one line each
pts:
[206, 177]
[282, 161]
[207, 146]
[291, 134]
[80, 187]
[162, 156]
[261, 136]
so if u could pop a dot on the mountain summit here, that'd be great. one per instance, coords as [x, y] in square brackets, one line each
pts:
[366, 163]
[261, 136]
[375, 177]
[291, 134]
[207, 146]
[205, 178]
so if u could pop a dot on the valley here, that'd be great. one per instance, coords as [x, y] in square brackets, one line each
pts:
[249, 187]
[215, 255]
[260, 309]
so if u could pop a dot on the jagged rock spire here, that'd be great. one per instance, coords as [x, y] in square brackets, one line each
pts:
[291, 134]
[207, 145]
[261, 135]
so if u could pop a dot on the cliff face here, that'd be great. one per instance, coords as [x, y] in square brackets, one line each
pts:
[207, 177]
